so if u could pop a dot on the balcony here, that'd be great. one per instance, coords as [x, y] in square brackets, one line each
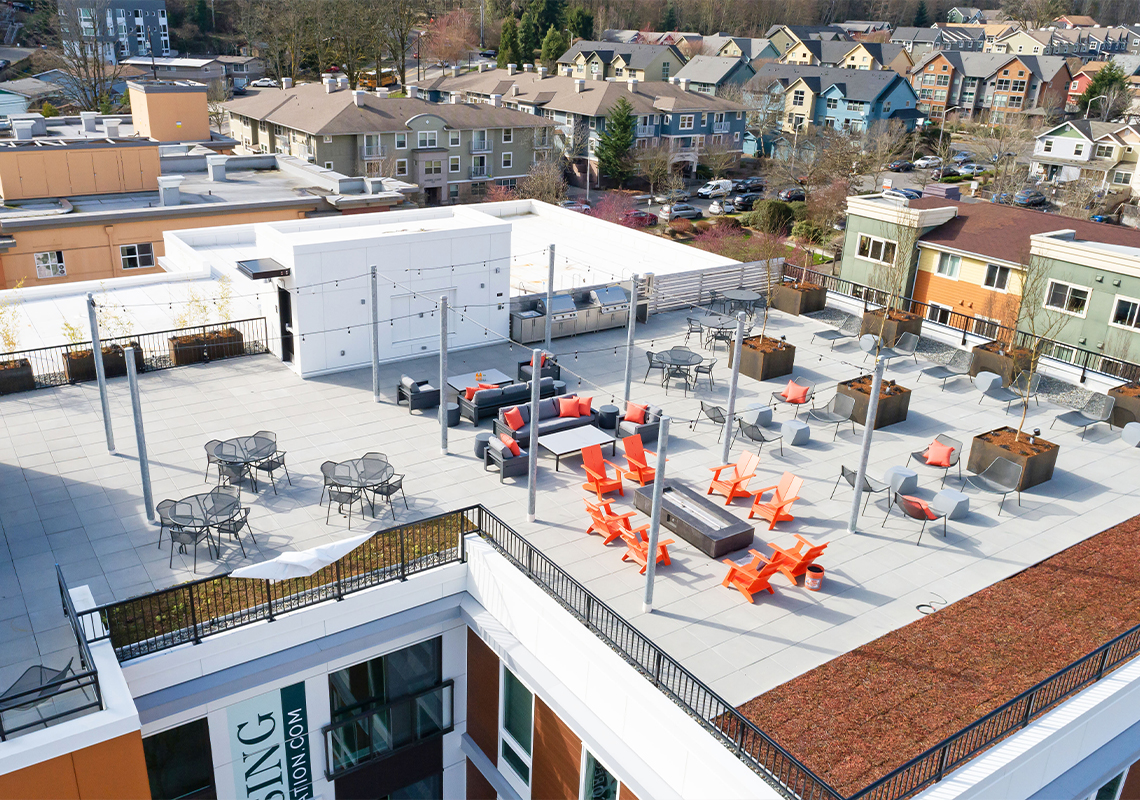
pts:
[479, 172]
[373, 152]
[646, 130]
[720, 127]
[479, 146]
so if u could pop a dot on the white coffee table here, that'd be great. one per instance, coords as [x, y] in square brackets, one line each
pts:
[564, 443]
[491, 376]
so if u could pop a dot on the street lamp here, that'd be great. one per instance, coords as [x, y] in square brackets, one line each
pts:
[1088, 108]
[941, 127]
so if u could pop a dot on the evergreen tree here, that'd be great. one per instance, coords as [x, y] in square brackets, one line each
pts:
[580, 21]
[548, 13]
[553, 46]
[528, 36]
[508, 44]
[1110, 85]
[202, 15]
[615, 143]
[669, 21]
[921, 15]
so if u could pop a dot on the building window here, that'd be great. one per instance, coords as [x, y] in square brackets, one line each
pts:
[943, 80]
[134, 256]
[433, 168]
[401, 167]
[516, 730]
[453, 192]
[1078, 149]
[179, 762]
[665, 71]
[508, 183]
[996, 277]
[329, 165]
[798, 97]
[939, 314]
[508, 160]
[426, 139]
[1126, 313]
[1066, 297]
[328, 140]
[401, 141]
[948, 265]
[832, 102]
[598, 783]
[50, 264]
[453, 164]
[1047, 147]
[1121, 178]
[478, 189]
[508, 135]
[686, 122]
[876, 249]
[1104, 151]
[453, 138]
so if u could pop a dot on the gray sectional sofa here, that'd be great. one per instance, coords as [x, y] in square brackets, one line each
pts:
[487, 402]
[548, 421]
[647, 429]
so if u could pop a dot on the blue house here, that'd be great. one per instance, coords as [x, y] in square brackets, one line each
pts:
[844, 99]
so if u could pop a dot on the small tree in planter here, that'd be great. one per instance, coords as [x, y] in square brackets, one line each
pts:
[889, 277]
[800, 296]
[15, 373]
[189, 348]
[227, 341]
[763, 357]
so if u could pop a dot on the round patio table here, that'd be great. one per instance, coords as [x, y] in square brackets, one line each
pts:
[679, 358]
[740, 298]
[203, 510]
[363, 473]
[245, 449]
[715, 324]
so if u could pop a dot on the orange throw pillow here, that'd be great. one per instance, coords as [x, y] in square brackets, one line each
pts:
[487, 386]
[541, 361]
[584, 406]
[635, 413]
[794, 393]
[568, 407]
[938, 454]
[513, 418]
[469, 392]
[923, 505]
[511, 444]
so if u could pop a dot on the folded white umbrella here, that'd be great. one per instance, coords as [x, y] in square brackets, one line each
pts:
[302, 563]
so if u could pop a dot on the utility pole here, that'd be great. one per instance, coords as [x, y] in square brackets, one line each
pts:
[100, 371]
[482, 8]
[655, 514]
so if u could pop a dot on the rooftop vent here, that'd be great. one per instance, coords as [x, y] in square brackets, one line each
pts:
[512, 69]
[358, 97]
[579, 85]
[90, 119]
[286, 83]
[216, 167]
[111, 127]
[168, 192]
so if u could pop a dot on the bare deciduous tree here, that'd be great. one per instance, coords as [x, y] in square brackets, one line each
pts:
[885, 141]
[448, 37]
[1037, 323]
[87, 63]
[544, 182]
[655, 164]
[719, 157]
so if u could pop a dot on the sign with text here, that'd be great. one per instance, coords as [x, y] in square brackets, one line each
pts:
[269, 746]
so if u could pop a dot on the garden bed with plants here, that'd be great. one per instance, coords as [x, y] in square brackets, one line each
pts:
[857, 717]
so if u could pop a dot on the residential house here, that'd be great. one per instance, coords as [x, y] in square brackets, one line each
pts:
[963, 37]
[1088, 44]
[451, 151]
[784, 36]
[204, 69]
[845, 99]
[989, 83]
[969, 262]
[1133, 32]
[708, 73]
[919, 42]
[850, 55]
[754, 51]
[857, 29]
[963, 15]
[604, 60]
[1075, 21]
[681, 39]
[242, 70]
[1102, 152]
[17, 96]
[1081, 81]
[120, 29]
[670, 114]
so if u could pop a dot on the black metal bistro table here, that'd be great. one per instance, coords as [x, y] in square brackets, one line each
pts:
[741, 298]
[678, 364]
[714, 324]
[363, 473]
[201, 511]
[242, 451]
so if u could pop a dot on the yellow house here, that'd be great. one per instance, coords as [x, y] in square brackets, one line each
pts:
[1029, 43]
[602, 60]
[849, 55]
[799, 106]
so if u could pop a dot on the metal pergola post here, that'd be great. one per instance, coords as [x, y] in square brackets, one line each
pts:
[655, 514]
[629, 336]
[100, 372]
[532, 446]
[443, 394]
[728, 417]
[865, 450]
[140, 435]
[375, 341]
[549, 295]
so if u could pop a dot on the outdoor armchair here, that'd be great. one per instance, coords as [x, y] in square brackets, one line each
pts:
[233, 528]
[344, 496]
[795, 562]
[23, 694]
[715, 414]
[637, 464]
[1022, 386]
[735, 484]
[848, 330]
[638, 549]
[837, 411]
[750, 579]
[870, 485]
[211, 459]
[1002, 476]
[598, 478]
[654, 363]
[607, 524]
[509, 466]
[905, 345]
[388, 490]
[1098, 408]
[549, 369]
[271, 465]
[954, 460]
[420, 395]
[784, 494]
[756, 434]
[915, 508]
[780, 397]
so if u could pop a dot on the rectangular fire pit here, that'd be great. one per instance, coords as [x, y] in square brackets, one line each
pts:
[706, 525]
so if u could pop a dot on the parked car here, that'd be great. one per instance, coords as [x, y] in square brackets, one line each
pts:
[900, 166]
[944, 172]
[675, 196]
[25, 7]
[574, 205]
[792, 194]
[744, 202]
[971, 169]
[489, 53]
[1005, 198]
[717, 188]
[637, 218]
[1107, 219]
[753, 184]
[724, 206]
[237, 91]
[928, 162]
[264, 83]
[1030, 197]
[907, 194]
[961, 157]
[681, 210]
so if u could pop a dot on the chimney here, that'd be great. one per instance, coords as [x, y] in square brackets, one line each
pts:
[579, 85]
[497, 100]
[632, 84]
[286, 83]
[512, 69]
[381, 92]
[453, 98]
[455, 71]
[528, 67]
[330, 85]
[358, 97]
[684, 84]
[216, 166]
[483, 66]
[541, 73]
[24, 129]
[514, 90]
[111, 126]
[89, 119]
[168, 192]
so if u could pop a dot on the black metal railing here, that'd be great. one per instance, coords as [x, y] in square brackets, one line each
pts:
[73, 363]
[191, 611]
[1085, 360]
[70, 694]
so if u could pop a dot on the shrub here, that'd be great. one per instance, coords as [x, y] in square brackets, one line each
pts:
[770, 216]
[48, 110]
[807, 231]
[681, 225]
[730, 223]
[799, 210]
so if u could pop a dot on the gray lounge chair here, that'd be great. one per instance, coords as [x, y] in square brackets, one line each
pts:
[916, 511]
[509, 466]
[870, 485]
[23, 694]
[1098, 408]
[993, 389]
[905, 345]
[836, 412]
[959, 365]
[716, 414]
[420, 395]
[955, 456]
[848, 330]
[778, 398]
[747, 427]
[1002, 476]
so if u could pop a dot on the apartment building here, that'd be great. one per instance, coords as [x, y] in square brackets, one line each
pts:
[671, 114]
[1102, 152]
[707, 74]
[1087, 44]
[989, 83]
[119, 30]
[205, 69]
[919, 42]
[783, 37]
[850, 55]
[451, 151]
[756, 51]
[844, 99]
[604, 61]
[859, 28]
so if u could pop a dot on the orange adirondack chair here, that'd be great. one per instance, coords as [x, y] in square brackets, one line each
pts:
[597, 476]
[638, 549]
[737, 484]
[750, 580]
[609, 525]
[793, 563]
[639, 468]
[776, 509]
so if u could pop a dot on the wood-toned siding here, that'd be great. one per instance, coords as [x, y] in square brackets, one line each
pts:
[482, 695]
[557, 760]
[626, 794]
[115, 768]
[478, 788]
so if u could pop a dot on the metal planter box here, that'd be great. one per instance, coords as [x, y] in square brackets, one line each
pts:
[802, 299]
[894, 328]
[16, 376]
[761, 365]
[892, 408]
[1036, 468]
[1006, 362]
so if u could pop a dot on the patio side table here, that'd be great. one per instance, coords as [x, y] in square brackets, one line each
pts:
[481, 439]
[902, 480]
[952, 503]
[452, 414]
[607, 417]
[559, 388]
[795, 432]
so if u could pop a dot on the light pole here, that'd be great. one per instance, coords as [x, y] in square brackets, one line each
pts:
[942, 127]
[1088, 108]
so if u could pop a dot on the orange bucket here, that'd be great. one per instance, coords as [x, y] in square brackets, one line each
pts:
[813, 578]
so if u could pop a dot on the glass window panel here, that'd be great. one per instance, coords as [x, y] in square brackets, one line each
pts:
[516, 762]
[517, 709]
[179, 762]
[599, 784]
[1077, 300]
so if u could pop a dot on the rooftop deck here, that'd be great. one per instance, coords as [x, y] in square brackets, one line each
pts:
[66, 500]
